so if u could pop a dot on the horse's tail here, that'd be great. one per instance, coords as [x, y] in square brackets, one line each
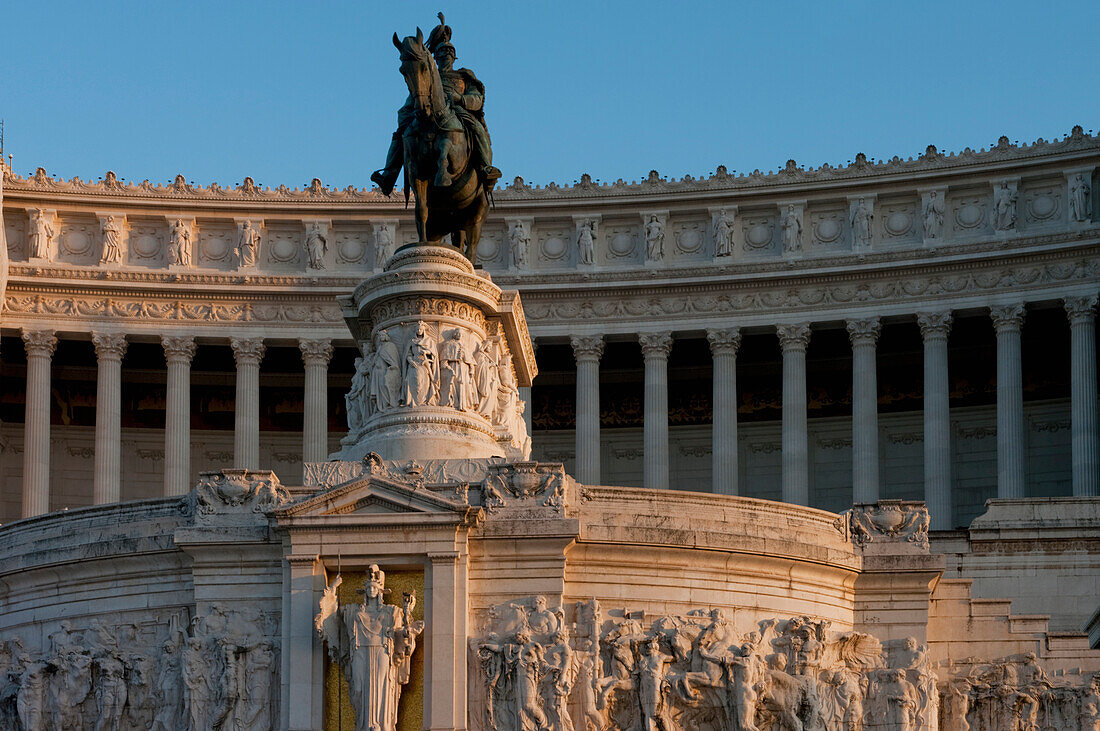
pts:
[405, 183]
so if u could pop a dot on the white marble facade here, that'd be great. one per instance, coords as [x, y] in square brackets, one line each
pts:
[702, 592]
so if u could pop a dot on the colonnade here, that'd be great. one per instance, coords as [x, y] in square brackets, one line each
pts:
[588, 349]
[863, 334]
[179, 352]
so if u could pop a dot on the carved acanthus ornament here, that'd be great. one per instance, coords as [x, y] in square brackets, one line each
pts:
[655, 345]
[724, 341]
[794, 336]
[178, 348]
[1080, 309]
[109, 346]
[247, 351]
[316, 352]
[934, 325]
[1007, 317]
[587, 347]
[864, 332]
[41, 343]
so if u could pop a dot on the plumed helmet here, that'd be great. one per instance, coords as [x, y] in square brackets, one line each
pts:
[439, 40]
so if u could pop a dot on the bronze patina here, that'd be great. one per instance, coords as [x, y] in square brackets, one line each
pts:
[441, 142]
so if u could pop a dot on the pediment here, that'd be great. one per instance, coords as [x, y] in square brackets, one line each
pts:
[373, 495]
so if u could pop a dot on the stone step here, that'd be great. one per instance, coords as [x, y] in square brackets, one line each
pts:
[990, 607]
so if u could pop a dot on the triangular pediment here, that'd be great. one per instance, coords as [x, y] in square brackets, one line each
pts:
[373, 495]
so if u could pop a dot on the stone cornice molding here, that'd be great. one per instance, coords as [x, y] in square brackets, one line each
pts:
[178, 348]
[247, 351]
[316, 194]
[1007, 318]
[864, 332]
[587, 348]
[1081, 309]
[109, 346]
[934, 325]
[40, 343]
[316, 352]
[724, 341]
[793, 336]
[655, 346]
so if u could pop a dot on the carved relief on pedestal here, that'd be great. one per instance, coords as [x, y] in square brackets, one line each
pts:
[113, 674]
[235, 495]
[537, 666]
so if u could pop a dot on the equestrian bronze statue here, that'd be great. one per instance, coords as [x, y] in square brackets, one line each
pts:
[441, 142]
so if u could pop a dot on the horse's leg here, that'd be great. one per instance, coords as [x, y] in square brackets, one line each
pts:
[458, 239]
[473, 230]
[443, 170]
[421, 190]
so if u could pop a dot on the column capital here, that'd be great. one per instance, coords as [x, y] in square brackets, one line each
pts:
[934, 324]
[443, 557]
[178, 348]
[587, 347]
[1007, 318]
[794, 336]
[315, 352]
[247, 351]
[109, 345]
[40, 342]
[655, 345]
[1079, 309]
[865, 331]
[724, 341]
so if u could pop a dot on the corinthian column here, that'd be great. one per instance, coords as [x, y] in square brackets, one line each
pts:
[1082, 327]
[178, 352]
[723, 350]
[587, 351]
[107, 476]
[1011, 455]
[247, 352]
[796, 452]
[655, 350]
[40, 345]
[934, 327]
[864, 336]
[315, 355]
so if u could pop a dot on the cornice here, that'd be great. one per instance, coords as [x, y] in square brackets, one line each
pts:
[317, 195]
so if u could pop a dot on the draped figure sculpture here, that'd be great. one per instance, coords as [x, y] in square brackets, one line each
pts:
[373, 644]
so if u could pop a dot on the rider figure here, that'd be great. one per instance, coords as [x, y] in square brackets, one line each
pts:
[467, 97]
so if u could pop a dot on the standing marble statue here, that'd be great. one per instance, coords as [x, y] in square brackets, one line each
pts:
[385, 379]
[373, 644]
[933, 216]
[520, 240]
[792, 231]
[654, 240]
[179, 244]
[1004, 208]
[356, 399]
[1079, 199]
[383, 246]
[723, 235]
[316, 247]
[112, 241]
[41, 236]
[421, 369]
[453, 387]
[248, 244]
[861, 225]
[586, 246]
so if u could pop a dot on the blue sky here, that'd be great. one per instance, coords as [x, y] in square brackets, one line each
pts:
[286, 91]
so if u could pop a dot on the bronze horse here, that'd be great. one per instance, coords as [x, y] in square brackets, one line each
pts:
[437, 136]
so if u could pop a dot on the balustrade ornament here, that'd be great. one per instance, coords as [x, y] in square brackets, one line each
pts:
[889, 520]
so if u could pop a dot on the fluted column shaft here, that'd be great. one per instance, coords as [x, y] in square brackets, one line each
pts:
[107, 473]
[796, 451]
[723, 349]
[525, 394]
[1086, 458]
[934, 327]
[587, 351]
[40, 346]
[316, 355]
[655, 350]
[178, 352]
[865, 482]
[247, 352]
[1011, 447]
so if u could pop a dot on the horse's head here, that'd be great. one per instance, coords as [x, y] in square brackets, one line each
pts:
[418, 68]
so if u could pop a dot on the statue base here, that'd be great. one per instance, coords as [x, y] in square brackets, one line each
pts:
[444, 354]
